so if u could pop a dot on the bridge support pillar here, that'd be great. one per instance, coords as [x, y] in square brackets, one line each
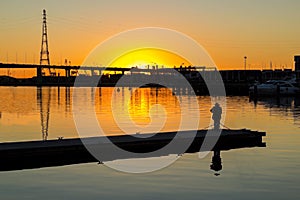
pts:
[68, 72]
[39, 75]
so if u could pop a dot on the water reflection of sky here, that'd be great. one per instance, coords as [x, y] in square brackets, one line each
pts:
[23, 108]
[256, 173]
[284, 107]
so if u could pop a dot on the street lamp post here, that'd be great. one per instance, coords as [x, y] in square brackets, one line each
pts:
[245, 58]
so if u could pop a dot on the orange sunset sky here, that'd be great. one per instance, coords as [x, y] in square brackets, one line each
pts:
[263, 30]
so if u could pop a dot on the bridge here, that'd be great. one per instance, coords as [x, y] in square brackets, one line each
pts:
[68, 69]
[93, 69]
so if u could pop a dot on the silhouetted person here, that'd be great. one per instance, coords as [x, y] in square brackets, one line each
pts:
[217, 113]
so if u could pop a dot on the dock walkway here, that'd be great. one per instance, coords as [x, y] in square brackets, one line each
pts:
[36, 154]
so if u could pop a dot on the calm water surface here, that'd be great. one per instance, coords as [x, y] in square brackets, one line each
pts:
[250, 173]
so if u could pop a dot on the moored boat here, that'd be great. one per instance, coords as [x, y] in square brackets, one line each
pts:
[275, 87]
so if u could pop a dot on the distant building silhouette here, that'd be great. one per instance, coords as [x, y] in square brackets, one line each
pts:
[297, 66]
[297, 63]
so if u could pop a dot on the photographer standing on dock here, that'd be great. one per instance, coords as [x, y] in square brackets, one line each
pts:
[217, 113]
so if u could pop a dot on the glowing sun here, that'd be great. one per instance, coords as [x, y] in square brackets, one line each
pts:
[149, 56]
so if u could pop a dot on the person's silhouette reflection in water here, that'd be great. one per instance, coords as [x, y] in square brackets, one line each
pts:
[216, 163]
[217, 113]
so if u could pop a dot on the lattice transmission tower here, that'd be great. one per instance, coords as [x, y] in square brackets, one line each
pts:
[44, 56]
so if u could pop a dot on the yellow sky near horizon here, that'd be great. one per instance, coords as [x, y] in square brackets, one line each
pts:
[264, 31]
[153, 57]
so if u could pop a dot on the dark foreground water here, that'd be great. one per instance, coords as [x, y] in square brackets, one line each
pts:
[250, 173]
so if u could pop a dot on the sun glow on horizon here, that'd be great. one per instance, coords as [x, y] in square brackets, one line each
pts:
[141, 58]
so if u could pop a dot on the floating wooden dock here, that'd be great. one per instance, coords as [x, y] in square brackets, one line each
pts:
[37, 154]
